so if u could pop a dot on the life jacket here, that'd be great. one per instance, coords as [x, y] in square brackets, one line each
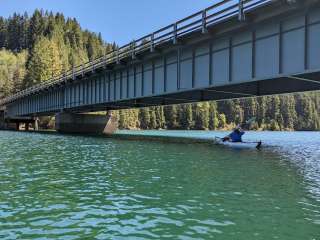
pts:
[236, 136]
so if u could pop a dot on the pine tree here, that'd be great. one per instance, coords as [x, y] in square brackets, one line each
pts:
[250, 108]
[160, 118]
[50, 26]
[222, 121]
[232, 111]
[214, 117]
[15, 33]
[3, 33]
[24, 28]
[94, 48]
[44, 62]
[171, 116]
[189, 117]
[202, 116]
[238, 113]
[12, 71]
[288, 110]
[182, 117]
[37, 27]
[307, 115]
[144, 117]
[262, 110]
[274, 126]
[153, 119]
[63, 49]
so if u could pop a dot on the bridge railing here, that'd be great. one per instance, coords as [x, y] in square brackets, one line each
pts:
[199, 21]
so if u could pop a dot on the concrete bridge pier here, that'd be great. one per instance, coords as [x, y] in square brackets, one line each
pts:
[66, 122]
[2, 120]
[14, 123]
[36, 124]
[25, 122]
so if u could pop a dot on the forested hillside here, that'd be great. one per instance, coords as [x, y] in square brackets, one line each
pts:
[287, 112]
[34, 48]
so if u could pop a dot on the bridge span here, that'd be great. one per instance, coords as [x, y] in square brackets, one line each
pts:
[232, 49]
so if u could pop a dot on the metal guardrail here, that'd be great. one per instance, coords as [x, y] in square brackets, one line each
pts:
[199, 21]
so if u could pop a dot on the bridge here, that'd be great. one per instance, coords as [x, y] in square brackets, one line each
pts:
[232, 49]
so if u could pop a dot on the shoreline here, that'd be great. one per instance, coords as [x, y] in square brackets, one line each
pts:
[168, 136]
[133, 136]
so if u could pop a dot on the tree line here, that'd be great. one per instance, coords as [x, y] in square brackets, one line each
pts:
[284, 112]
[35, 48]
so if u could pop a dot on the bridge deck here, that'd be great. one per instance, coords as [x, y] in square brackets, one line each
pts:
[229, 50]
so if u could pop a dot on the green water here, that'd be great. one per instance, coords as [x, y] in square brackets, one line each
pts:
[75, 187]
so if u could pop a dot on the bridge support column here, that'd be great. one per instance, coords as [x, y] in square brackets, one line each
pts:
[2, 120]
[112, 123]
[85, 123]
[36, 124]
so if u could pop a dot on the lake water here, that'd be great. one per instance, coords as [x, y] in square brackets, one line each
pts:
[76, 187]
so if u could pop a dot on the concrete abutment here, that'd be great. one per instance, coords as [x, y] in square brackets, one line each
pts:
[85, 123]
[15, 123]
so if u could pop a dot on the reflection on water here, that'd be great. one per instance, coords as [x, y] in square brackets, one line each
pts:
[73, 187]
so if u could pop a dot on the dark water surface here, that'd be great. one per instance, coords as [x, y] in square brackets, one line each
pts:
[76, 187]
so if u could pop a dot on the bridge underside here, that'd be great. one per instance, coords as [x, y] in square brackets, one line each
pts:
[275, 51]
[283, 85]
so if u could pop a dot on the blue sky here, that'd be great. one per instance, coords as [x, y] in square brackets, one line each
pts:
[118, 20]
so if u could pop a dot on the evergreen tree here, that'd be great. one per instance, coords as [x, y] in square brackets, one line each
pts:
[232, 111]
[262, 110]
[171, 116]
[95, 48]
[189, 116]
[63, 49]
[202, 116]
[250, 108]
[277, 115]
[144, 117]
[238, 113]
[182, 117]
[185, 116]
[153, 119]
[288, 110]
[3, 33]
[13, 32]
[24, 28]
[160, 118]
[50, 25]
[222, 121]
[44, 62]
[307, 115]
[37, 27]
[214, 116]
[274, 126]
[12, 72]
